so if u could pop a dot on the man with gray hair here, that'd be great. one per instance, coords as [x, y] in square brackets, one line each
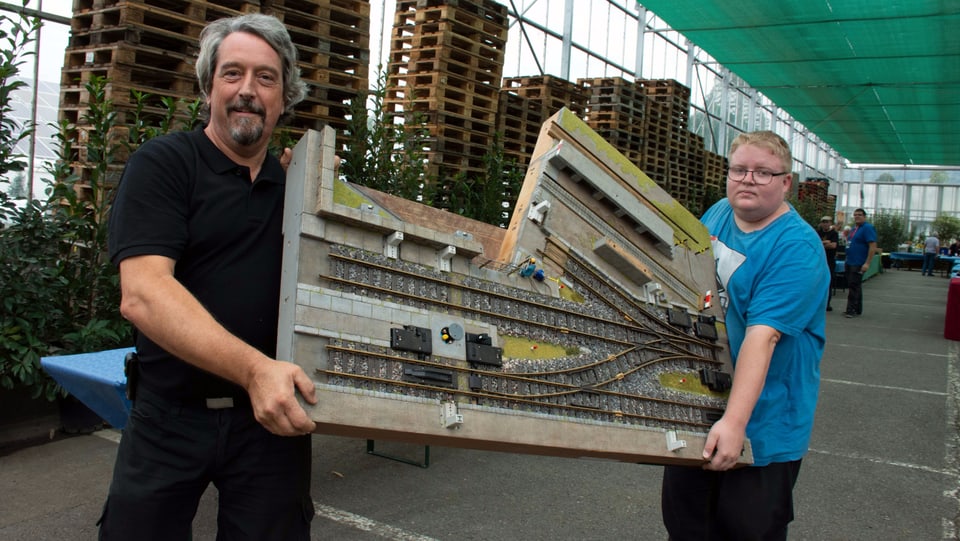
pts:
[196, 233]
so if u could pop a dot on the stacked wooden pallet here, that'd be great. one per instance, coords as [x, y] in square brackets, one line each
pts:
[551, 93]
[518, 121]
[446, 62]
[616, 109]
[672, 155]
[714, 171]
[145, 45]
[333, 44]
[150, 46]
[815, 190]
[526, 103]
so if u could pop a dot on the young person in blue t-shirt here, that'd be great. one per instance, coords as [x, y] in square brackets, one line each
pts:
[773, 286]
[860, 251]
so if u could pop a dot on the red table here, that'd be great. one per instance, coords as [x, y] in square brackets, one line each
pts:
[951, 323]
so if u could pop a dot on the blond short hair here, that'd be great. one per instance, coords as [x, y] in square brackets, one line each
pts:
[768, 140]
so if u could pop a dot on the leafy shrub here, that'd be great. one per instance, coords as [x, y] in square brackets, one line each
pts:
[946, 228]
[891, 229]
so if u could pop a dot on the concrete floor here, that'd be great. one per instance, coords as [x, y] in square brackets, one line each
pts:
[883, 462]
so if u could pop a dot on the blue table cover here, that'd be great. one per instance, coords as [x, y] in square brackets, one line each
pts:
[906, 256]
[96, 379]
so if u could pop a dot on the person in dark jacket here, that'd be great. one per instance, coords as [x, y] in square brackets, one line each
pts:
[830, 239]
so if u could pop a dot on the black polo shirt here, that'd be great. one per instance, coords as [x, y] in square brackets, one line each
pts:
[182, 198]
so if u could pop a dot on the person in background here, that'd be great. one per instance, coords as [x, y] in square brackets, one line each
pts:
[860, 251]
[955, 248]
[774, 284]
[196, 230]
[830, 239]
[841, 235]
[931, 247]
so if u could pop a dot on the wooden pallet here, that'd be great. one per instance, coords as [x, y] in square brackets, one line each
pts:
[445, 34]
[195, 7]
[519, 120]
[334, 108]
[125, 64]
[346, 13]
[446, 61]
[535, 86]
[164, 18]
[518, 109]
[623, 140]
[614, 99]
[622, 118]
[657, 88]
[489, 10]
[77, 97]
[480, 126]
[448, 164]
[617, 102]
[474, 41]
[552, 92]
[471, 96]
[591, 83]
[473, 135]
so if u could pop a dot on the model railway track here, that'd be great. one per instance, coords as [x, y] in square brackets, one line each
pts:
[565, 388]
[432, 294]
[537, 406]
[622, 348]
[512, 389]
[588, 279]
[505, 309]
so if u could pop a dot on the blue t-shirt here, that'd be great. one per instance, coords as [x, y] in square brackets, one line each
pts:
[859, 244]
[775, 277]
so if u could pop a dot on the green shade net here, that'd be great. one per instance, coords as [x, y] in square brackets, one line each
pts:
[877, 81]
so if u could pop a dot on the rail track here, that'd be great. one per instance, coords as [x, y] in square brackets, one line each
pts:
[623, 347]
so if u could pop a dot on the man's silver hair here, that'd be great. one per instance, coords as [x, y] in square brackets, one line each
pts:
[267, 28]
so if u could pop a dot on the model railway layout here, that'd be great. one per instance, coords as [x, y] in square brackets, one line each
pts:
[609, 379]
[590, 333]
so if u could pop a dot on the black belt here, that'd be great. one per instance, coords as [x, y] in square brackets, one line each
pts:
[198, 402]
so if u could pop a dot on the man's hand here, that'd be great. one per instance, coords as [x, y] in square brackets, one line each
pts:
[723, 446]
[272, 391]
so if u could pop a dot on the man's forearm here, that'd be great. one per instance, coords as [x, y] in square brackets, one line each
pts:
[163, 310]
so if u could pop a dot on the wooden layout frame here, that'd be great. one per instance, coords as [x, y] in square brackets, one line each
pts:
[590, 333]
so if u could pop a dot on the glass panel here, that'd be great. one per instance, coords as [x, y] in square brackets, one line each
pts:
[949, 203]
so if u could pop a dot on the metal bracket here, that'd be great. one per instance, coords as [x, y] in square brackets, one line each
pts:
[391, 244]
[450, 417]
[444, 256]
[674, 444]
[537, 212]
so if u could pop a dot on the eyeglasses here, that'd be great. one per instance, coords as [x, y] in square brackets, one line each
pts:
[761, 177]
